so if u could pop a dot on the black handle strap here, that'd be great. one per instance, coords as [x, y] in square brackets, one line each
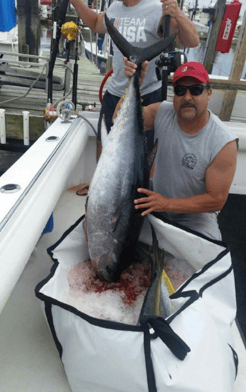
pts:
[163, 330]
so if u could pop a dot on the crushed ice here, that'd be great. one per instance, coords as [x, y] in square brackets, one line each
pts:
[121, 301]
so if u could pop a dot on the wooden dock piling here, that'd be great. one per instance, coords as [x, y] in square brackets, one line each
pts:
[213, 35]
[28, 28]
[235, 74]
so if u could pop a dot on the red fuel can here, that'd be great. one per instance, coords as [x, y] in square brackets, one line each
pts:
[228, 26]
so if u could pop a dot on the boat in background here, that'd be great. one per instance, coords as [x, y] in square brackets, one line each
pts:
[9, 43]
[8, 28]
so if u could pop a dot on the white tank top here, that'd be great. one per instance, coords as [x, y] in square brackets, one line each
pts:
[139, 25]
[182, 161]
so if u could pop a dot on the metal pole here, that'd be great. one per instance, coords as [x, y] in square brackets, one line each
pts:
[2, 126]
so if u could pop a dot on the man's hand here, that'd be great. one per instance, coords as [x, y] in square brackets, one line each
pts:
[153, 202]
[170, 7]
[130, 69]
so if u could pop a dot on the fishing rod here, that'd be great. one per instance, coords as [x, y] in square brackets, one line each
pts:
[165, 72]
[61, 19]
[75, 72]
[102, 5]
[169, 61]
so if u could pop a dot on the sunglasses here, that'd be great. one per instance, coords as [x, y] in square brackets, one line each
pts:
[194, 90]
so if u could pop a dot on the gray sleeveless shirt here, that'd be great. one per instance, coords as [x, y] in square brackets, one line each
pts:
[139, 25]
[182, 161]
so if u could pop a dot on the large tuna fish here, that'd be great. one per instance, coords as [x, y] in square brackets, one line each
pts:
[113, 225]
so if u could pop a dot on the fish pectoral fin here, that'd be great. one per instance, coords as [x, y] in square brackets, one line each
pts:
[152, 154]
[159, 254]
[118, 212]
[137, 55]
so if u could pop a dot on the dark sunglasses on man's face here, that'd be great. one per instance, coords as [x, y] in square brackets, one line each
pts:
[194, 90]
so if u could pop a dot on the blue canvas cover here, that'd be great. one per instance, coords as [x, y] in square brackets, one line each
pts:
[7, 15]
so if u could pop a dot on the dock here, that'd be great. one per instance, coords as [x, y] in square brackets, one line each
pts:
[13, 101]
[89, 81]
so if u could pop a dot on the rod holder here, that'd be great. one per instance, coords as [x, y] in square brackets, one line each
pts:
[26, 128]
[2, 126]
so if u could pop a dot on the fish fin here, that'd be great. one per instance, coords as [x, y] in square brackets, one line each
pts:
[134, 54]
[159, 254]
[104, 132]
[119, 211]
[167, 282]
[152, 154]
[85, 220]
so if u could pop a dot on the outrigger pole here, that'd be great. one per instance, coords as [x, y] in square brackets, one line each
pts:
[61, 19]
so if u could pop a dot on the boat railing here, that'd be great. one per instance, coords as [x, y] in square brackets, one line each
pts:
[30, 189]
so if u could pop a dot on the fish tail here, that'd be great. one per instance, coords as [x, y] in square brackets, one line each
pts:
[134, 54]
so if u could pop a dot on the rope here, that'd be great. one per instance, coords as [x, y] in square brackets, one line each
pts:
[30, 88]
[36, 80]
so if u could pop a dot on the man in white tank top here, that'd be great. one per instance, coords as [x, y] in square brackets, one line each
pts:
[139, 21]
[196, 155]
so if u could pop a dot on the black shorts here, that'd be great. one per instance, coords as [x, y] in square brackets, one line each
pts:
[109, 104]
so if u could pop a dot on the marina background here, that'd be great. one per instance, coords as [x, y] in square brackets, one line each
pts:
[222, 63]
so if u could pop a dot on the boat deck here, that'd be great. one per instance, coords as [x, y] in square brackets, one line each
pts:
[29, 360]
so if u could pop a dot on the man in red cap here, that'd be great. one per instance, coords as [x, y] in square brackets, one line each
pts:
[196, 154]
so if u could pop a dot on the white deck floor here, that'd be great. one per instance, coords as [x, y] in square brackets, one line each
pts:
[29, 360]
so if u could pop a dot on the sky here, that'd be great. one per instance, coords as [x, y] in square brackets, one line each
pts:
[202, 3]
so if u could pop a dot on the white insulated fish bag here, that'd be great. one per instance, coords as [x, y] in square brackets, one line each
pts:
[190, 351]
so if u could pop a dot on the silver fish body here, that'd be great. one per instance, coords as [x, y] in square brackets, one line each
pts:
[113, 224]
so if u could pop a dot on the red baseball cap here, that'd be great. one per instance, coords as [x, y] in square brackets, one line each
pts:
[191, 69]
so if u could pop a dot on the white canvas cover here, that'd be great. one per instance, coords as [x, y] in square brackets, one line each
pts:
[105, 356]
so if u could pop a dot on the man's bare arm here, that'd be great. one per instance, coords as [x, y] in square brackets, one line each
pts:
[149, 114]
[91, 18]
[187, 33]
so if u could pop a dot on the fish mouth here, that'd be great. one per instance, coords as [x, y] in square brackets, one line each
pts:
[109, 274]
[106, 266]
